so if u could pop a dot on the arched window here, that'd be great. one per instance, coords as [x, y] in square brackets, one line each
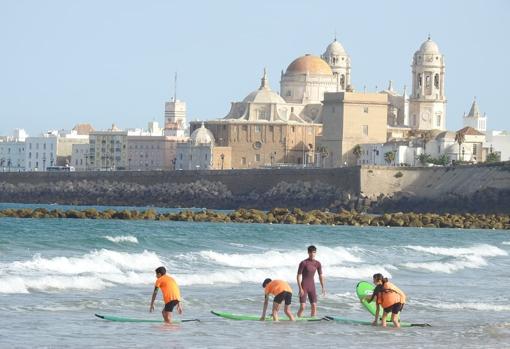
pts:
[436, 81]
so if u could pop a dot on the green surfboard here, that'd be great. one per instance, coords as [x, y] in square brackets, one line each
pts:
[364, 289]
[126, 319]
[343, 320]
[282, 317]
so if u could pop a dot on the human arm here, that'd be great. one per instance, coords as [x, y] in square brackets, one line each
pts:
[151, 308]
[322, 280]
[180, 308]
[299, 281]
[377, 308]
[264, 309]
[299, 278]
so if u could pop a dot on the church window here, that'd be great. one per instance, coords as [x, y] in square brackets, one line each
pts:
[365, 109]
[245, 128]
[436, 80]
[271, 128]
[293, 129]
[289, 93]
[364, 130]
[438, 121]
[257, 157]
[243, 161]
[261, 114]
[342, 80]
[427, 81]
[257, 128]
[475, 150]
[419, 80]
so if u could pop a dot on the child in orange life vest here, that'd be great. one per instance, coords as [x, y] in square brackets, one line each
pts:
[281, 292]
[171, 294]
[389, 297]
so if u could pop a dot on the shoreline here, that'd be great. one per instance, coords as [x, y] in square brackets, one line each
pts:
[279, 216]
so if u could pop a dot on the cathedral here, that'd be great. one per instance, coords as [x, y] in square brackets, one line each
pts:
[285, 128]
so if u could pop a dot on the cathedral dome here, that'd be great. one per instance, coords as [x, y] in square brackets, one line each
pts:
[264, 94]
[335, 48]
[202, 136]
[309, 64]
[429, 46]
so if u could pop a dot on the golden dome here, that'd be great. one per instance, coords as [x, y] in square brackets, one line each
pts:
[309, 64]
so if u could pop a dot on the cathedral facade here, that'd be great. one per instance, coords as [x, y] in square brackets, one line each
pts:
[268, 128]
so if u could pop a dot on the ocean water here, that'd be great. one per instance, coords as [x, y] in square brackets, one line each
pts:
[55, 274]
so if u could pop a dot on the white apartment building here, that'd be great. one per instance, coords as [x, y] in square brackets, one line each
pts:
[80, 157]
[41, 152]
[12, 151]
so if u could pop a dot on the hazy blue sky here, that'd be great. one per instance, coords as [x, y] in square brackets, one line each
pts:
[104, 62]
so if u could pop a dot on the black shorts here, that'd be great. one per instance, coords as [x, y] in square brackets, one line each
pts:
[395, 308]
[287, 296]
[170, 305]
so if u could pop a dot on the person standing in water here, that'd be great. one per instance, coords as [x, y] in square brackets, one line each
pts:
[306, 281]
[171, 294]
[281, 292]
[389, 297]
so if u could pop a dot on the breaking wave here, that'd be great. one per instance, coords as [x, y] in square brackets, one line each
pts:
[92, 271]
[457, 258]
[120, 239]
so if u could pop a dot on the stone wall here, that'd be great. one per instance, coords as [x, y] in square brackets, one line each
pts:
[239, 182]
[480, 189]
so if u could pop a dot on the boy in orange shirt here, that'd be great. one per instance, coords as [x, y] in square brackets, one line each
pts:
[281, 291]
[171, 294]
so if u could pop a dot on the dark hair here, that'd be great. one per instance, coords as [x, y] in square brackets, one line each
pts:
[380, 277]
[266, 281]
[161, 270]
[312, 248]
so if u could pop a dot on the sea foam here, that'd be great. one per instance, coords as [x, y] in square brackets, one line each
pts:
[92, 271]
[268, 259]
[120, 239]
[458, 257]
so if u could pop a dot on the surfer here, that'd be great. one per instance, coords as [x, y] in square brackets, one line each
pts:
[390, 297]
[306, 281]
[171, 294]
[281, 291]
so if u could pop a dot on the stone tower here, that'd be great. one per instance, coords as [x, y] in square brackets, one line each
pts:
[427, 104]
[340, 63]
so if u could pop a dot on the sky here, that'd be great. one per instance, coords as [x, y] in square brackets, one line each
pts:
[104, 62]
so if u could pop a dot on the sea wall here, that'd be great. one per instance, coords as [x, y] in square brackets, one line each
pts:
[480, 189]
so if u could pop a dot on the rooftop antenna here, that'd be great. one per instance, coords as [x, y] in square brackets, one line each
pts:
[175, 87]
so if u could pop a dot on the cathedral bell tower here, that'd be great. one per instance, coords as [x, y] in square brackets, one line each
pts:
[340, 63]
[427, 104]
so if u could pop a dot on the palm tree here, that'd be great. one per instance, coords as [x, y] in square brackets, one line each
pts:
[389, 157]
[357, 152]
[426, 137]
[460, 137]
[323, 151]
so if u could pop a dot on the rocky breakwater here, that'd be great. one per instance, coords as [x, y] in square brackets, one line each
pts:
[281, 216]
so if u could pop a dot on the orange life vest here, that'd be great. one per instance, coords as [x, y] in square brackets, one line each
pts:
[390, 295]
